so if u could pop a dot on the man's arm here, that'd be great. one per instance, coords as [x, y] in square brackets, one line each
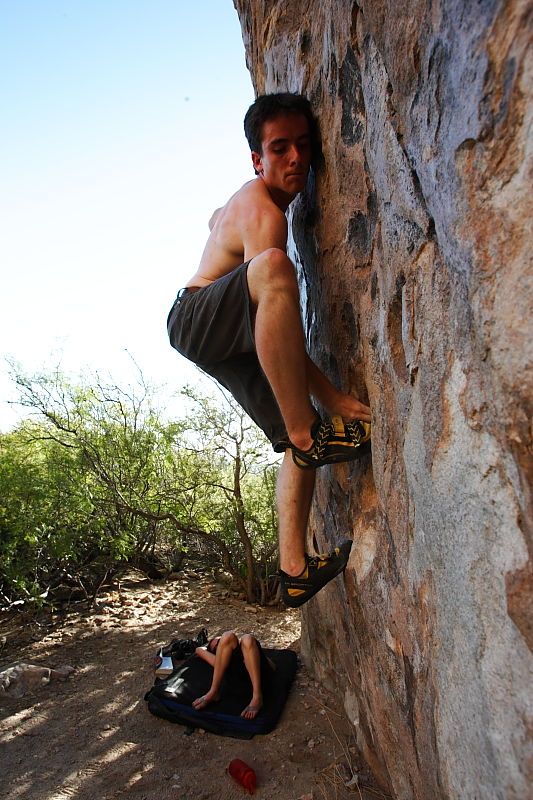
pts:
[262, 229]
[213, 219]
[267, 227]
[334, 401]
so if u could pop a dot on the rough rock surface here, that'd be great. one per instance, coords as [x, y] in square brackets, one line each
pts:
[412, 248]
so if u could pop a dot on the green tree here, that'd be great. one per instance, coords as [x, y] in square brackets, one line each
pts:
[47, 520]
[242, 486]
[98, 481]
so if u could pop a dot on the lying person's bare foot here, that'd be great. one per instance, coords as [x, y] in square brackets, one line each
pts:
[201, 702]
[253, 708]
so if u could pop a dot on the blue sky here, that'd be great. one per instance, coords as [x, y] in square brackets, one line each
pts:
[121, 133]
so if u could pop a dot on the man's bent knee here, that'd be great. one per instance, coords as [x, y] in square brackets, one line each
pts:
[276, 258]
[272, 269]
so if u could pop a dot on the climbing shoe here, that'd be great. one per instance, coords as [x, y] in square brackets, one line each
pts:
[319, 570]
[334, 440]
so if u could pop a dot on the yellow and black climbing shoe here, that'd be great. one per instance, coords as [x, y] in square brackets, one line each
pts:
[334, 440]
[319, 570]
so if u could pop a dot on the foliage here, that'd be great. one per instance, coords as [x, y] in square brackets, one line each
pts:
[97, 480]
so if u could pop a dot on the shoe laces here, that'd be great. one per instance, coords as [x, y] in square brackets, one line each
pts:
[324, 432]
[313, 561]
[353, 429]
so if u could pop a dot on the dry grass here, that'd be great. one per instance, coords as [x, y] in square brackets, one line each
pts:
[346, 777]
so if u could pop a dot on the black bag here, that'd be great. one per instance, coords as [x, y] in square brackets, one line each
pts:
[171, 698]
[182, 648]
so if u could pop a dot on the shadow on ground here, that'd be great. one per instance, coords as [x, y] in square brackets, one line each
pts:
[93, 737]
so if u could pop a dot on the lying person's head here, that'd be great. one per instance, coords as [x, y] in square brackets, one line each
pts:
[213, 644]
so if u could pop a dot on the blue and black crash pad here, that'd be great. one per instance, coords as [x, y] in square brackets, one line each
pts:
[171, 698]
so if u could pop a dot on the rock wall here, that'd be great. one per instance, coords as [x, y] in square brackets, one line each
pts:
[412, 250]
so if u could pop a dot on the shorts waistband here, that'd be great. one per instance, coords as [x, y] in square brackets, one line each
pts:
[187, 290]
[182, 292]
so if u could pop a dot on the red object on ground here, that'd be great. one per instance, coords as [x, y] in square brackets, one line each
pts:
[243, 774]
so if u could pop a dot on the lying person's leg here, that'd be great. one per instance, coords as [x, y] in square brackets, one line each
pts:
[226, 645]
[252, 662]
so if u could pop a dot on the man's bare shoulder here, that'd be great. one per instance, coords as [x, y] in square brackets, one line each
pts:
[249, 223]
[253, 200]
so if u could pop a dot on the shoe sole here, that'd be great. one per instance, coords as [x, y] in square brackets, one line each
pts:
[351, 454]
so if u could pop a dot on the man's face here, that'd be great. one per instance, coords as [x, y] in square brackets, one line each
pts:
[286, 157]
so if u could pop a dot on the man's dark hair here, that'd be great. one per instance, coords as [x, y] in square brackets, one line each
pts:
[270, 106]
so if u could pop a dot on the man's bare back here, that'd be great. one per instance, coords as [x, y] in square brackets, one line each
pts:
[229, 243]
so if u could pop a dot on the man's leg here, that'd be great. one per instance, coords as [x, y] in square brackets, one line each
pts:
[294, 493]
[302, 576]
[280, 342]
[280, 346]
[227, 644]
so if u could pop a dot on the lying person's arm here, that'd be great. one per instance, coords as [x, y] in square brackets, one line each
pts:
[203, 652]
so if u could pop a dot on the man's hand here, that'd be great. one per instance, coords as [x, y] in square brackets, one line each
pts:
[335, 402]
[348, 407]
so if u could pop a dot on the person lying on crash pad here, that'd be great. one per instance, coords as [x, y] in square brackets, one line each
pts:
[237, 660]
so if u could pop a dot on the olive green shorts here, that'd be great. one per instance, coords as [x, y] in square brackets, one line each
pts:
[212, 326]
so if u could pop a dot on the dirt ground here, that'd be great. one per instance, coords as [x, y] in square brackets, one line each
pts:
[93, 737]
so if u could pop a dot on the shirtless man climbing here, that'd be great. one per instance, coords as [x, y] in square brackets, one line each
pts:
[239, 319]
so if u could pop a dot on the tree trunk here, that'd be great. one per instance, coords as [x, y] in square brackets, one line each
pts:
[240, 524]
